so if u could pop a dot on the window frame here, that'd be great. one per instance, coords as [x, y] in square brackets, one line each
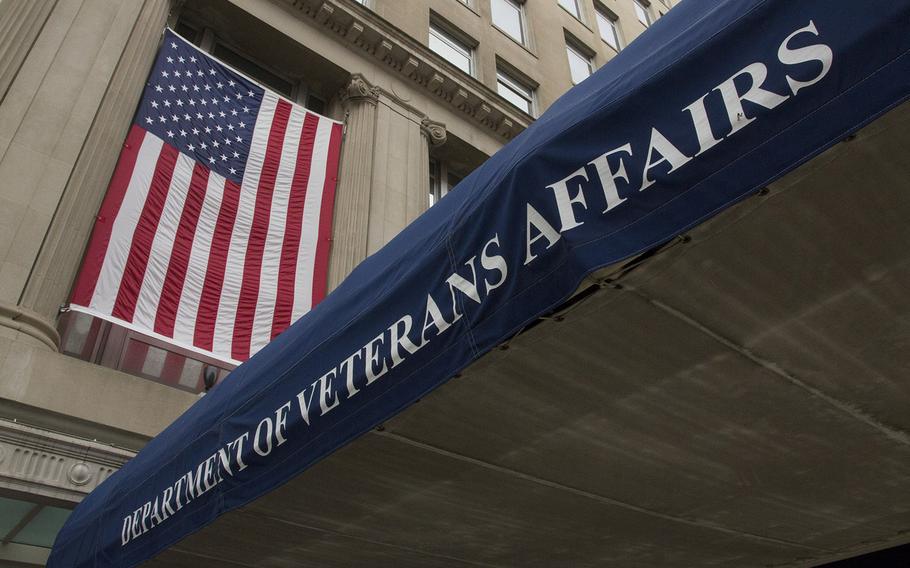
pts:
[643, 9]
[576, 13]
[522, 20]
[602, 13]
[456, 41]
[516, 84]
[573, 47]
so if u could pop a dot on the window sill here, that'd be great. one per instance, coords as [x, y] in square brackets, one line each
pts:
[515, 41]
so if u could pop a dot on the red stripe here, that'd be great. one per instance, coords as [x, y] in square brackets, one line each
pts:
[324, 241]
[137, 261]
[104, 222]
[207, 313]
[180, 253]
[252, 263]
[287, 269]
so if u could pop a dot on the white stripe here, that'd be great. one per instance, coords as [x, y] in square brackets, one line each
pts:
[233, 274]
[185, 321]
[163, 244]
[118, 249]
[271, 254]
[309, 232]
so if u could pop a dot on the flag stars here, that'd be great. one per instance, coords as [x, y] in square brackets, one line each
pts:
[233, 112]
[159, 89]
[223, 158]
[164, 74]
[148, 120]
[218, 128]
[154, 104]
[233, 171]
[222, 114]
[183, 133]
[193, 59]
[173, 45]
[208, 130]
[167, 103]
[211, 160]
[181, 59]
[191, 148]
[196, 132]
[161, 119]
[176, 73]
[171, 88]
[170, 134]
[184, 88]
[203, 146]
[211, 71]
[170, 59]
[227, 99]
[231, 82]
[219, 84]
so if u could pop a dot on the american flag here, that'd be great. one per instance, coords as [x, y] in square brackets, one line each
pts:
[214, 233]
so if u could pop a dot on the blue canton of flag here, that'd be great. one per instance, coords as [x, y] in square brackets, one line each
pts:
[201, 107]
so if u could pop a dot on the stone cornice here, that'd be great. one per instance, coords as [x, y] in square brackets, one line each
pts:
[52, 464]
[363, 29]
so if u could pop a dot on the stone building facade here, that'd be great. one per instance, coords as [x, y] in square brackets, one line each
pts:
[427, 90]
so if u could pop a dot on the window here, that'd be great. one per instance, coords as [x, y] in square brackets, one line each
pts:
[572, 7]
[441, 181]
[642, 11]
[608, 25]
[253, 70]
[508, 16]
[516, 92]
[109, 345]
[580, 65]
[451, 49]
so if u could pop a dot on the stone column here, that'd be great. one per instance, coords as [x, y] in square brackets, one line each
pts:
[20, 24]
[352, 197]
[104, 127]
[432, 134]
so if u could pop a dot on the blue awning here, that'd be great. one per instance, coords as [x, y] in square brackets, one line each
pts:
[715, 101]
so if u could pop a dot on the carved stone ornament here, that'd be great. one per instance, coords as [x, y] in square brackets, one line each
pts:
[79, 474]
[360, 90]
[434, 131]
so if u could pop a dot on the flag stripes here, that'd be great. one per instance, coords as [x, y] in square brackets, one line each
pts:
[188, 252]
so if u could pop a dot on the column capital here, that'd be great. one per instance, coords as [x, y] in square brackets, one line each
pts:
[360, 90]
[434, 131]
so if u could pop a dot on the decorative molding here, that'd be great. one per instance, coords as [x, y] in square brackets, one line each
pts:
[54, 465]
[359, 90]
[434, 131]
[30, 323]
[363, 29]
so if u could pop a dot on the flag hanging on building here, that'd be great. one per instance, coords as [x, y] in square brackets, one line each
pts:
[214, 233]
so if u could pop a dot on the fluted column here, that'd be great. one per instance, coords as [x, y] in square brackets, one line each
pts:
[58, 259]
[432, 133]
[20, 23]
[352, 196]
